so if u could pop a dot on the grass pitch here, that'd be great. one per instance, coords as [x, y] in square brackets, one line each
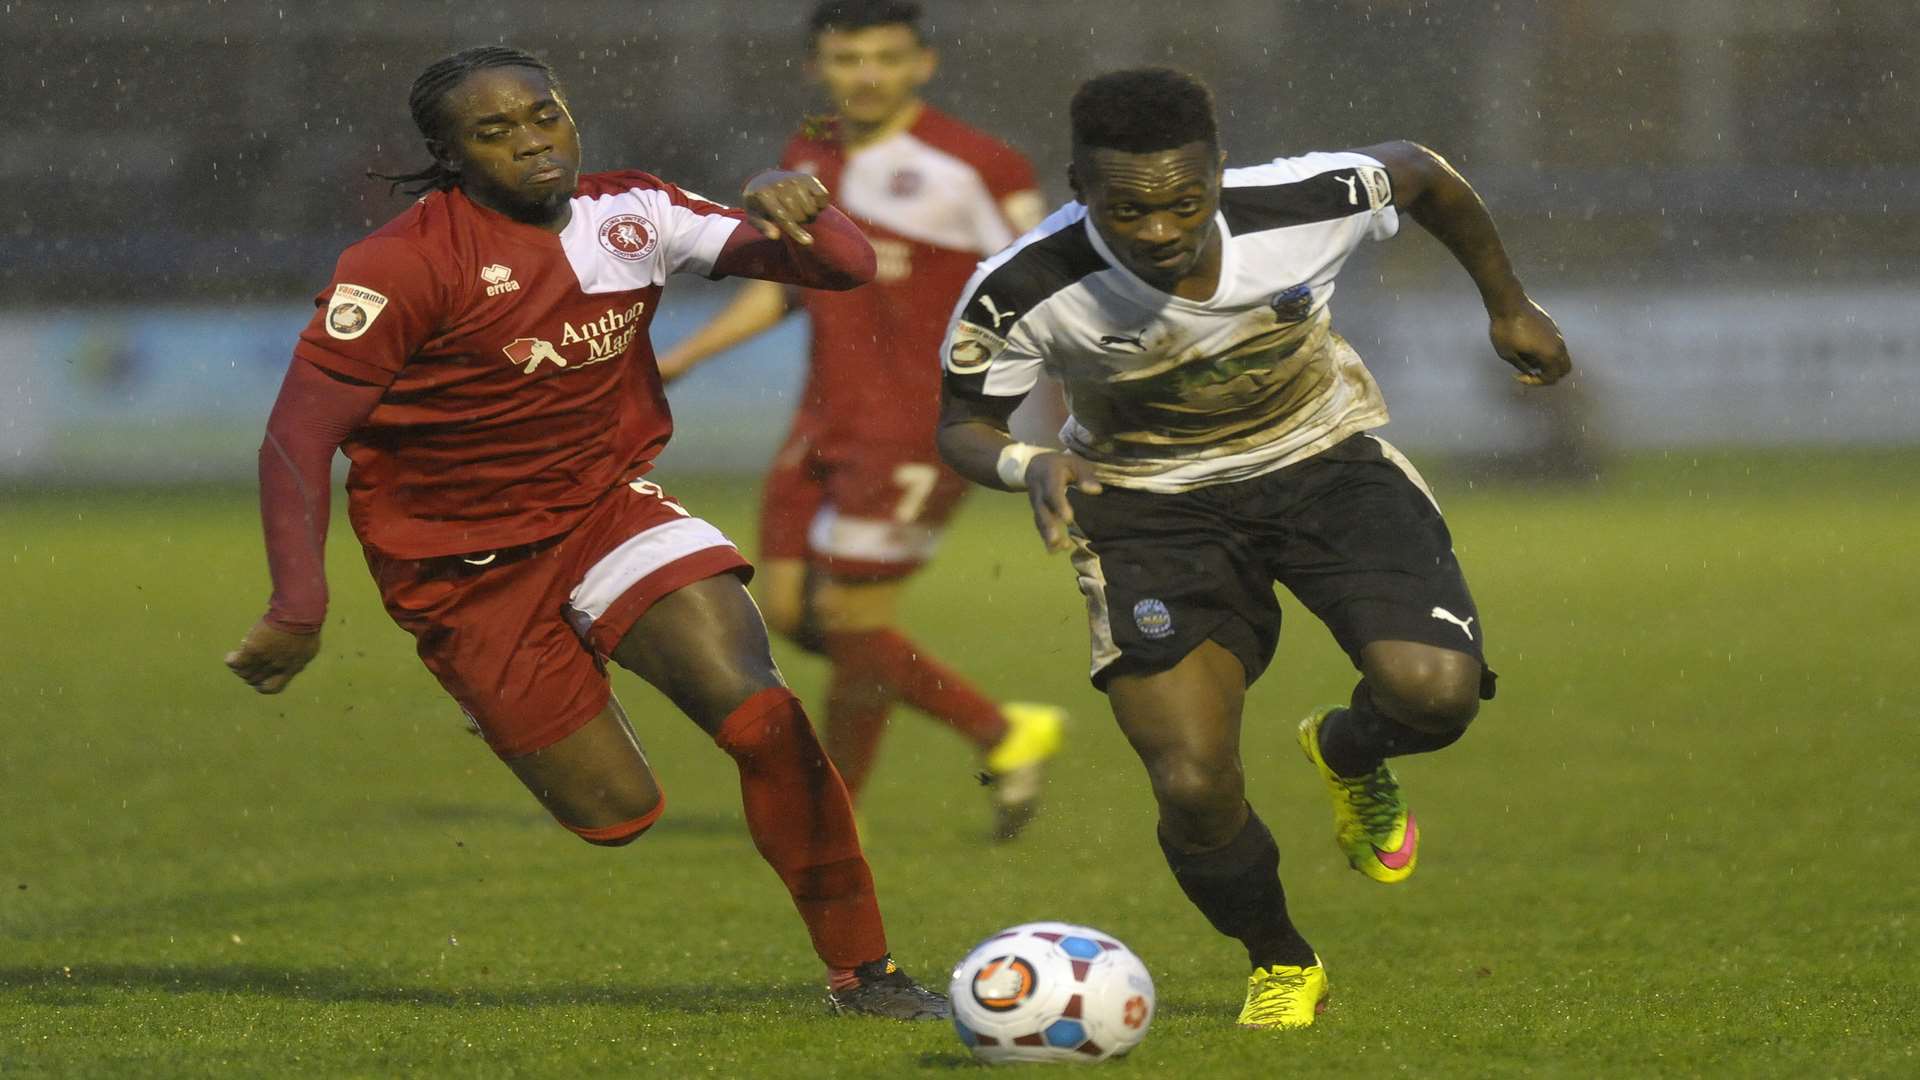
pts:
[1680, 843]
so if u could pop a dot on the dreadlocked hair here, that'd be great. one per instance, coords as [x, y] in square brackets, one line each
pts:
[427, 102]
[1142, 110]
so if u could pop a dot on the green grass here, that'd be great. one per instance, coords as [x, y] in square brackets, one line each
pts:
[1681, 842]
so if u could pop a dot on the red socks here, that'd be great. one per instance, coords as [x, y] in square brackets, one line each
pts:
[857, 709]
[870, 665]
[802, 823]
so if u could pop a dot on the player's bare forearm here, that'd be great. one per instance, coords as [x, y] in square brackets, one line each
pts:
[1436, 196]
[1431, 192]
[755, 309]
[973, 433]
[974, 440]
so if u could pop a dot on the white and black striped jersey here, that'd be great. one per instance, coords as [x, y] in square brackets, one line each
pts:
[1167, 394]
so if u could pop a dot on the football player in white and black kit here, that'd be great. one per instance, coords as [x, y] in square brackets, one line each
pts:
[1217, 444]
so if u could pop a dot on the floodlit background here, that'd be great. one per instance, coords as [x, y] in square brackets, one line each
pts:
[1717, 198]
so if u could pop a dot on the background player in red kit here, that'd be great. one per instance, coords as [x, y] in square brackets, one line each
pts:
[858, 495]
[483, 361]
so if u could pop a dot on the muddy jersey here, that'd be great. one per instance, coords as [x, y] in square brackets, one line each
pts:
[1167, 394]
[929, 198]
[520, 382]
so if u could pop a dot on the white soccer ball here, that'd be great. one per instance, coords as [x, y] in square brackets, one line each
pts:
[1051, 991]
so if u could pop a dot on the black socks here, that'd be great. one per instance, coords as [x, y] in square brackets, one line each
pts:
[1237, 887]
[1355, 740]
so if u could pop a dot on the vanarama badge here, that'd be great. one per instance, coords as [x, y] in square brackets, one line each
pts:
[972, 349]
[352, 310]
[1379, 186]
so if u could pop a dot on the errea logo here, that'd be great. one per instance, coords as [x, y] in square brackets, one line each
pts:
[499, 279]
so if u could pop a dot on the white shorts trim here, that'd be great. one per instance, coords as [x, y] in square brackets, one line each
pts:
[1393, 454]
[642, 555]
[870, 540]
[1093, 586]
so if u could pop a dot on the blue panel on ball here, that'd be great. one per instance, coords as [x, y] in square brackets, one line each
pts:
[1080, 948]
[1065, 1034]
[966, 1033]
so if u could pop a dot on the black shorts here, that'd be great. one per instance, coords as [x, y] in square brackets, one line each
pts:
[1352, 532]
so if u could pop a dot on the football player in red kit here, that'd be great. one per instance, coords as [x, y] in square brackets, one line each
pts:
[857, 497]
[483, 361]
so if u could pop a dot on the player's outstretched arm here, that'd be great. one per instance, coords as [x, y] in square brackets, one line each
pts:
[1440, 199]
[793, 236]
[974, 440]
[755, 309]
[313, 414]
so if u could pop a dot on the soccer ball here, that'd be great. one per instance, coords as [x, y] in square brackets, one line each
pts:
[1050, 991]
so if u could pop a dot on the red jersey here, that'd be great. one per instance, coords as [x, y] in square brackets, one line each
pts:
[929, 199]
[520, 382]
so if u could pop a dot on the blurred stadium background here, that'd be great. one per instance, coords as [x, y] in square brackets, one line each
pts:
[1719, 199]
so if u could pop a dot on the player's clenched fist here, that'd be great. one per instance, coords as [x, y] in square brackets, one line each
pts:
[783, 203]
[1530, 341]
[268, 658]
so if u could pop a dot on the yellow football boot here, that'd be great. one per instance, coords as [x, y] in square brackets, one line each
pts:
[1284, 996]
[1371, 823]
[1016, 764]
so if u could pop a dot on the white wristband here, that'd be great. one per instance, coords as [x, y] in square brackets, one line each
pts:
[1014, 459]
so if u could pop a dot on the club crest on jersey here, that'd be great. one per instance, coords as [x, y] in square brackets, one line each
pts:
[352, 310]
[627, 236]
[1153, 619]
[1293, 304]
[499, 279]
[905, 183]
[972, 348]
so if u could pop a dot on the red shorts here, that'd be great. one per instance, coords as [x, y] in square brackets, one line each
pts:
[519, 636]
[863, 512]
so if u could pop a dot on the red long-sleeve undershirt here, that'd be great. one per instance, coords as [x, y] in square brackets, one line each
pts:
[839, 258]
[316, 411]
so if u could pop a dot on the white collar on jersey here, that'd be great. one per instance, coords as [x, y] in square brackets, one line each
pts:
[1149, 295]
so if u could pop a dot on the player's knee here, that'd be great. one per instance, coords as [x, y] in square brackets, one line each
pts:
[712, 691]
[769, 727]
[630, 825]
[1437, 690]
[1196, 789]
